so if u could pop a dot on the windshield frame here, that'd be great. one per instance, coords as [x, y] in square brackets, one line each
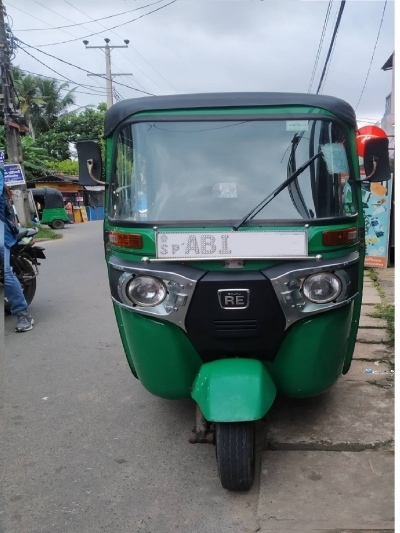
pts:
[318, 114]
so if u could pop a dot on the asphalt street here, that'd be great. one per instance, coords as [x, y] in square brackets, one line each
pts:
[86, 448]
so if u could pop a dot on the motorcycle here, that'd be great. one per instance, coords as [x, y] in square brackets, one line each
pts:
[24, 263]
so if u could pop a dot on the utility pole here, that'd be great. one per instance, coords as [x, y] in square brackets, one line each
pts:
[12, 120]
[109, 77]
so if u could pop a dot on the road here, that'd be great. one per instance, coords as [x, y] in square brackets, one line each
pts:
[86, 448]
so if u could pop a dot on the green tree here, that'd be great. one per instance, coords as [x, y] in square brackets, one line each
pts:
[71, 128]
[67, 166]
[35, 158]
[55, 102]
[41, 100]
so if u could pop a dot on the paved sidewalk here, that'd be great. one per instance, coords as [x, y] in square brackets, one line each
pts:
[329, 462]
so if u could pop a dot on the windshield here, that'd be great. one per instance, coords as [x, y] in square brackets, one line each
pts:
[203, 171]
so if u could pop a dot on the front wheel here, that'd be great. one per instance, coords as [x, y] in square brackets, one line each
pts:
[57, 224]
[235, 446]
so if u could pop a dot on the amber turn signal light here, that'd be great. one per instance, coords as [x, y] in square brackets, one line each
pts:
[341, 236]
[126, 240]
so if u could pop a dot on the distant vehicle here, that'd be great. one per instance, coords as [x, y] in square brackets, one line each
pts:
[50, 206]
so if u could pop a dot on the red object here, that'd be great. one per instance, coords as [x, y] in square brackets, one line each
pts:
[341, 236]
[365, 133]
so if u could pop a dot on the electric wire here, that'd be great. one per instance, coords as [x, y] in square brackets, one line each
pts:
[335, 31]
[108, 29]
[373, 55]
[76, 66]
[59, 79]
[119, 51]
[329, 65]
[332, 54]
[328, 11]
[59, 74]
[43, 21]
[93, 20]
[82, 23]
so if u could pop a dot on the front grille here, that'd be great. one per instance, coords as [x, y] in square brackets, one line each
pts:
[256, 331]
[235, 328]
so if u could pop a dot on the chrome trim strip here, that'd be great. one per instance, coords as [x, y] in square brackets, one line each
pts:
[222, 258]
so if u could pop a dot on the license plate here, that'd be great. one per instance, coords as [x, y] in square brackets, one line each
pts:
[231, 244]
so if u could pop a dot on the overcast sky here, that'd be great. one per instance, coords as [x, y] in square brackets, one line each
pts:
[212, 46]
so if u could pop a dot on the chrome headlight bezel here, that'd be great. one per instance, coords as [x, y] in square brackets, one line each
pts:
[333, 280]
[161, 291]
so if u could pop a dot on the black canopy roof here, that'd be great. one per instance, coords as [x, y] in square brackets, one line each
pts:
[51, 197]
[122, 110]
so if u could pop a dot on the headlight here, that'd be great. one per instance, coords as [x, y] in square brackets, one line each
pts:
[146, 291]
[322, 288]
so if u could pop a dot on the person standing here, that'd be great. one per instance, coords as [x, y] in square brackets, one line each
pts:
[12, 287]
[69, 210]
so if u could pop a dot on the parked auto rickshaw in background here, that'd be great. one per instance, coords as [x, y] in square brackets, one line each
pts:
[50, 207]
[234, 240]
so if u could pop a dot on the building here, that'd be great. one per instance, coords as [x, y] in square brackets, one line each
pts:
[387, 123]
[91, 197]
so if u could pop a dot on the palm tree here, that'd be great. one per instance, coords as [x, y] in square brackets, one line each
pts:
[41, 100]
[55, 102]
[28, 97]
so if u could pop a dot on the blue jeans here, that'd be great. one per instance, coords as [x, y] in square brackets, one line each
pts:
[12, 287]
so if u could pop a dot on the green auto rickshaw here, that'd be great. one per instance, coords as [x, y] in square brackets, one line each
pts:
[50, 207]
[234, 239]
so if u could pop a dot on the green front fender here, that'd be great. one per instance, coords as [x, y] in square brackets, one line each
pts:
[233, 390]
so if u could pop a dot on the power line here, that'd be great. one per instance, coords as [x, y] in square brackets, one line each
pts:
[58, 73]
[119, 51]
[328, 11]
[130, 44]
[339, 18]
[59, 79]
[329, 62]
[76, 66]
[62, 16]
[108, 29]
[43, 21]
[81, 23]
[93, 20]
[373, 54]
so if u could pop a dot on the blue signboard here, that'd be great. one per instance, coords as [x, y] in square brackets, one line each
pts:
[1, 158]
[13, 175]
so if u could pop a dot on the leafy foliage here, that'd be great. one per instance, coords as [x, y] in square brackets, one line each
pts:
[67, 166]
[35, 158]
[72, 128]
[41, 100]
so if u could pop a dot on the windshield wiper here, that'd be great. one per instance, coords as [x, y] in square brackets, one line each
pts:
[275, 193]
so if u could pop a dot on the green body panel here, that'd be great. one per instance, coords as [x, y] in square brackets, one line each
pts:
[234, 390]
[160, 354]
[311, 357]
[52, 214]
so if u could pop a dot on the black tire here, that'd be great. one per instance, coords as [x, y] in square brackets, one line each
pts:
[236, 453]
[57, 224]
